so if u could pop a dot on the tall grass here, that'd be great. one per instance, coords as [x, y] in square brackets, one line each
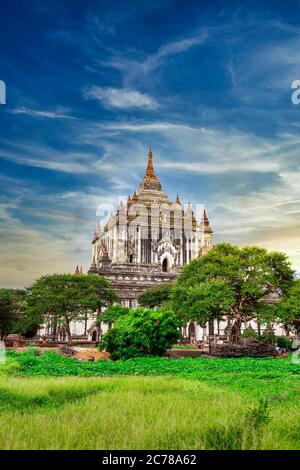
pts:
[52, 402]
[135, 413]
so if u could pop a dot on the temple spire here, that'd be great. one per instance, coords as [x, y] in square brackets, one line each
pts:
[98, 228]
[135, 197]
[205, 218]
[150, 169]
[150, 181]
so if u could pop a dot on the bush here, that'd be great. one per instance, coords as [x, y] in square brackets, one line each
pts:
[141, 333]
[268, 338]
[249, 333]
[284, 342]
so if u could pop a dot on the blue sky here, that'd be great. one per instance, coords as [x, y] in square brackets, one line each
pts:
[91, 85]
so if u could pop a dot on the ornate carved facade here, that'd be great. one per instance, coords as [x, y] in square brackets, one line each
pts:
[148, 240]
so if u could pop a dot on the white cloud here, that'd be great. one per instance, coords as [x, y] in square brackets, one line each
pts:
[58, 240]
[120, 98]
[209, 151]
[134, 70]
[57, 114]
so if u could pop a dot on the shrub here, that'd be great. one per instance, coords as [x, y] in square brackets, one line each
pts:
[249, 333]
[267, 337]
[284, 342]
[260, 415]
[141, 333]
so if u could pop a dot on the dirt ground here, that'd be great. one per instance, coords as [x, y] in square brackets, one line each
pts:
[80, 352]
[86, 353]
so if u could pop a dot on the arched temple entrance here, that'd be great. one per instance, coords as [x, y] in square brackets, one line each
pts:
[165, 266]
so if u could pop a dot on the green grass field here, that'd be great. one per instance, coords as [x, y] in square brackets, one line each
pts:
[52, 402]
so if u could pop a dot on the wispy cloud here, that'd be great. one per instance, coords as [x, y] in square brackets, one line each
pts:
[209, 150]
[120, 98]
[57, 114]
[133, 69]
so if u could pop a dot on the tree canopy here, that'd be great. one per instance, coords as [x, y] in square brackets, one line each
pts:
[231, 281]
[156, 296]
[68, 297]
[12, 312]
[6, 313]
[289, 308]
[112, 313]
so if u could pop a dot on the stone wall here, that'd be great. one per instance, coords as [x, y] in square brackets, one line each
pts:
[251, 349]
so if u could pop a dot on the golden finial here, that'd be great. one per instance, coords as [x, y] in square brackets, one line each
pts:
[150, 169]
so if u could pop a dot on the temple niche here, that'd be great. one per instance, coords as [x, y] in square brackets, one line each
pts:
[148, 240]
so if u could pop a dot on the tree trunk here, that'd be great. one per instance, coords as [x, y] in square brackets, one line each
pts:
[69, 336]
[235, 331]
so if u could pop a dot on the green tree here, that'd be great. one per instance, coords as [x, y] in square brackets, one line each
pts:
[142, 332]
[64, 298]
[156, 296]
[12, 311]
[112, 313]
[23, 324]
[289, 309]
[7, 314]
[234, 282]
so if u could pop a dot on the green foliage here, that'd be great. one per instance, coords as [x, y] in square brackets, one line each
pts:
[134, 412]
[259, 415]
[284, 342]
[208, 300]
[67, 297]
[239, 372]
[24, 324]
[249, 333]
[112, 313]
[224, 437]
[231, 281]
[156, 296]
[224, 403]
[12, 307]
[267, 337]
[288, 311]
[6, 313]
[247, 434]
[142, 332]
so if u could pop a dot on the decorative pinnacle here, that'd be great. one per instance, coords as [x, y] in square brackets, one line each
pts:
[98, 228]
[135, 197]
[205, 220]
[150, 169]
[178, 200]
